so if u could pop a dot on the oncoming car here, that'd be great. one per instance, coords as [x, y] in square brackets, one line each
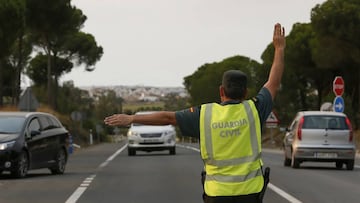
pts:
[32, 140]
[151, 138]
[320, 136]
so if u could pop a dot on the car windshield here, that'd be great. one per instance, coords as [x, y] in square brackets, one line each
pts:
[10, 125]
[324, 122]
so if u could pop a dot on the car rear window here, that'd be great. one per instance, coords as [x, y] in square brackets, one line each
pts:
[324, 122]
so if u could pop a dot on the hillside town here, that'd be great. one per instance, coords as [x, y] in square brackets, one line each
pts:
[138, 92]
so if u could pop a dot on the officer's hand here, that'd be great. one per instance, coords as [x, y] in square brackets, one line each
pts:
[119, 120]
[279, 37]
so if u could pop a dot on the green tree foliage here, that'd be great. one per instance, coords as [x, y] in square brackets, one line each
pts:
[203, 85]
[337, 27]
[107, 103]
[37, 69]
[9, 31]
[82, 48]
[55, 26]
[173, 102]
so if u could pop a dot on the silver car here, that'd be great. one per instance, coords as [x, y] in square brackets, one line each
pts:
[320, 136]
[151, 138]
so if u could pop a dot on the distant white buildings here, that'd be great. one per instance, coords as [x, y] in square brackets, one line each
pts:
[138, 93]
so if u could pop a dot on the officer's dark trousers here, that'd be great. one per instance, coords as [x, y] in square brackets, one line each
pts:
[252, 198]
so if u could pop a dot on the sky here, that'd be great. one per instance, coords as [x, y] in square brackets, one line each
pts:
[159, 42]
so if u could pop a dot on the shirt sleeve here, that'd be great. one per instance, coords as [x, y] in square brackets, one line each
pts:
[188, 121]
[264, 104]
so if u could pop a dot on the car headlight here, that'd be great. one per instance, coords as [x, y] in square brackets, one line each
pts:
[6, 145]
[169, 132]
[132, 133]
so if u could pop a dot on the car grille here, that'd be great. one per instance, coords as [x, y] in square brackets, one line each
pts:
[151, 143]
[150, 135]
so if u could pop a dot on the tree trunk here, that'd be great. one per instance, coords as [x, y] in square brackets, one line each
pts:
[49, 79]
[18, 70]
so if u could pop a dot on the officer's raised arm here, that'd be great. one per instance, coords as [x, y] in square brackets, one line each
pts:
[277, 67]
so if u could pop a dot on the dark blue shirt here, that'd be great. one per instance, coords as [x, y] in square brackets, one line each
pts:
[188, 120]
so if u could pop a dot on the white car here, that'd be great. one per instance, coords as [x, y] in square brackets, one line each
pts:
[151, 138]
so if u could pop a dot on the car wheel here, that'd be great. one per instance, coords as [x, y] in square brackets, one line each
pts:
[339, 164]
[60, 162]
[173, 150]
[21, 166]
[131, 152]
[350, 165]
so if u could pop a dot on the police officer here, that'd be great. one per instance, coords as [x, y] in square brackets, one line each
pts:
[230, 132]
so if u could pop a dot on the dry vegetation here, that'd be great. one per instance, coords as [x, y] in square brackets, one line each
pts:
[134, 106]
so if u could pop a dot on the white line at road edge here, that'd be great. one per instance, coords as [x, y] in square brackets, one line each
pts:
[188, 147]
[283, 194]
[277, 190]
[86, 183]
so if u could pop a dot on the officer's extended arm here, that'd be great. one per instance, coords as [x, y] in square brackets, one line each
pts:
[158, 118]
[277, 67]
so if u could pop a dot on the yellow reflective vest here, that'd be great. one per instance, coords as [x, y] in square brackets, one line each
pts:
[230, 142]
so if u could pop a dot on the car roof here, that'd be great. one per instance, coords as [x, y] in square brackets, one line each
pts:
[325, 113]
[21, 113]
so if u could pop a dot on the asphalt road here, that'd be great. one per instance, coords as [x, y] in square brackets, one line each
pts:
[104, 173]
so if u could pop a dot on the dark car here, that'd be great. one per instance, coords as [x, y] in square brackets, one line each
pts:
[32, 140]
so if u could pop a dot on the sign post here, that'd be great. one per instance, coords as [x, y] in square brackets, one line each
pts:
[338, 89]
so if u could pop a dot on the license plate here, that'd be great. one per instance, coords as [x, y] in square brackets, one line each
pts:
[151, 140]
[325, 155]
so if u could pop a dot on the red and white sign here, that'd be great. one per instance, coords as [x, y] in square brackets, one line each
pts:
[272, 121]
[338, 86]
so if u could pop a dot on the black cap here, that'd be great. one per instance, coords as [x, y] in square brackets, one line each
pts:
[234, 79]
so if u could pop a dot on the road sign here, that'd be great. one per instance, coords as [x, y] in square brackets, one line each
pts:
[338, 86]
[339, 104]
[28, 101]
[272, 121]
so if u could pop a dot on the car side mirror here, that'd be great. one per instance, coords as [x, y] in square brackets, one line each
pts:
[33, 133]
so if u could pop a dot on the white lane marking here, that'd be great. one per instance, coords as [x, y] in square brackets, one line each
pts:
[277, 190]
[188, 147]
[86, 183]
[282, 193]
[112, 156]
[76, 195]
[81, 189]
